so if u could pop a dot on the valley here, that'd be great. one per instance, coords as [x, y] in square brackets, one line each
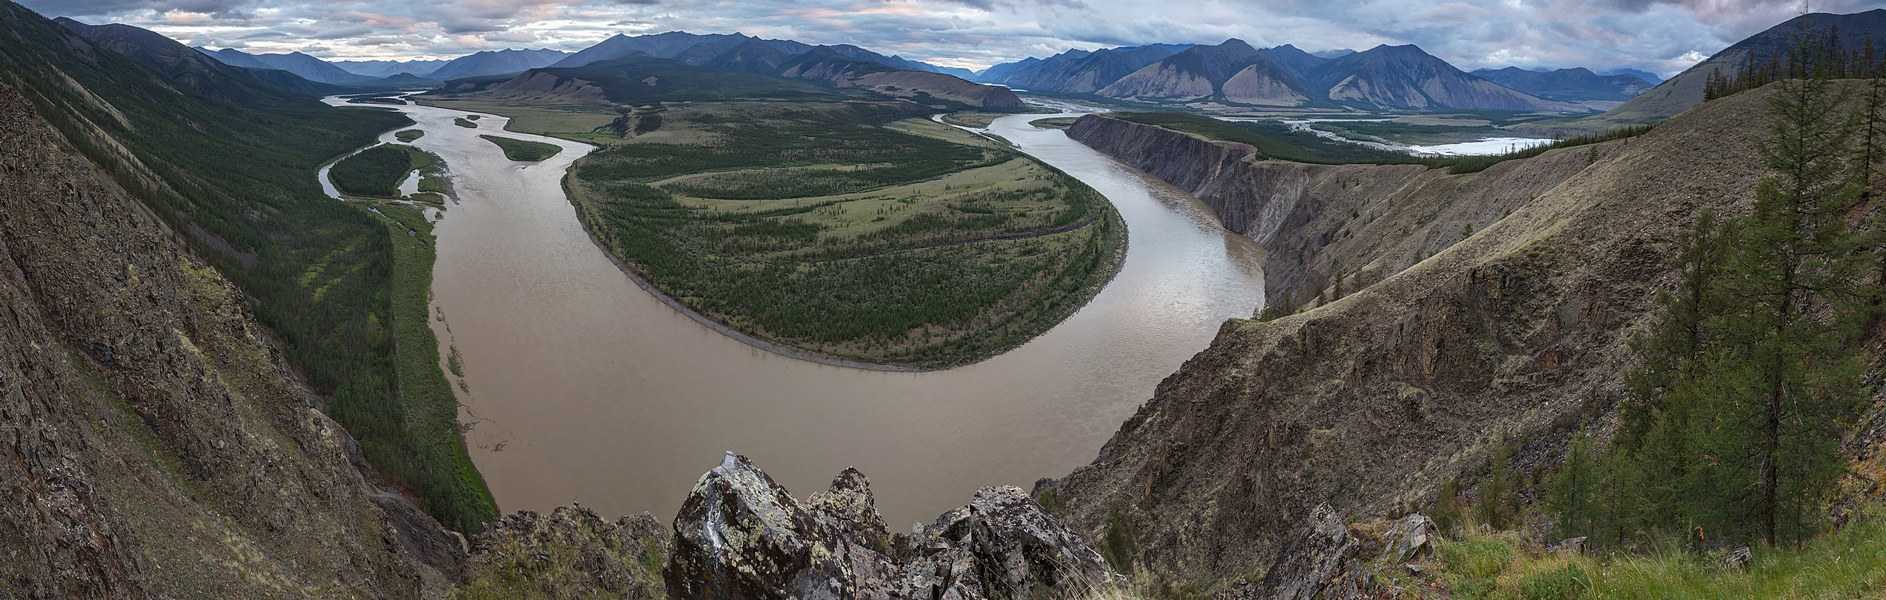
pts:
[1172, 321]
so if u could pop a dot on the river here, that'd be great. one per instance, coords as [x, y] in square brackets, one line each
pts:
[583, 387]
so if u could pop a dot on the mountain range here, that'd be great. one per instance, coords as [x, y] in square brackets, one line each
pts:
[1385, 77]
[1568, 85]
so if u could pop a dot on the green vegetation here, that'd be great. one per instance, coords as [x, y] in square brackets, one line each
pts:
[1850, 563]
[463, 122]
[848, 229]
[1054, 122]
[238, 179]
[378, 171]
[1752, 374]
[431, 409]
[1276, 140]
[409, 135]
[523, 150]
[973, 120]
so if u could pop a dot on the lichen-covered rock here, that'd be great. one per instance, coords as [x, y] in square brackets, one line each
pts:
[1319, 564]
[740, 535]
[1411, 537]
[570, 553]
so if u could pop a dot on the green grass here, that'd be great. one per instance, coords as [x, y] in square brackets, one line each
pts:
[1849, 563]
[523, 150]
[974, 120]
[845, 231]
[463, 122]
[409, 135]
[1054, 122]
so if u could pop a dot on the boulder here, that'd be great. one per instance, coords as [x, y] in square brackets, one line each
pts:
[1411, 537]
[740, 535]
[1318, 564]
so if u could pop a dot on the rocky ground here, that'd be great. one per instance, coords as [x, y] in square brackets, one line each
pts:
[1514, 330]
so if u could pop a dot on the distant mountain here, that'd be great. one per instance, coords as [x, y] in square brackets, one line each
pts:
[1001, 72]
[1407, 78]
[1686, 89]
[1231, 71]
[195, 72]
[494, 62]
[1647, 76]
[1290, 57]
[1568, 85]
[308, 67]
[387, 68]
[841, 67]
[661, 45]
[1339, 53]
[1077, 71]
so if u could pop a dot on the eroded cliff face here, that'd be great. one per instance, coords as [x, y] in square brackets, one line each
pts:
[156, 442]
[1367, 221]
[1376, 400]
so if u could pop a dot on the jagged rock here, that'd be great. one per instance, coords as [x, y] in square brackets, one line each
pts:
[1409, 538]
[569, 553]
[740, 535]
[1320, 564]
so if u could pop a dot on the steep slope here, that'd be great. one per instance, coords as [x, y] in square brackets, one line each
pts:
[1647, 76]
[1686, 89]
[493, 62]
[1405, 77]
[162, 445]
[1376, 400]
[1001, 72]
[1232, 71]
[642, 80]
[1083, 72]
[307, 67]
[1567, 85]
[192, 70]
[752, 56]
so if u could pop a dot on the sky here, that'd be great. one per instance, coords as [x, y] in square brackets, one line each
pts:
[1661, 36]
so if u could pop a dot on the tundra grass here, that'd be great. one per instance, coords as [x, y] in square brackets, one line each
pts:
[850, 232]
[523, 150]
[1849, 563]
[431, 409]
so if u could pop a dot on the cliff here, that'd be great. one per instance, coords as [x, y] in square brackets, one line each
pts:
[1375, 401]
[1369, 221]
[160, 444]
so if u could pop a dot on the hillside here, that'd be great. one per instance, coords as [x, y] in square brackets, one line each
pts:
[302, 65]
[492, 62]
[191, 70]
[1685, 90]
[1479, 314]
[1232, 71]
[1568, 85]
[1405, 77]
[1080, 71]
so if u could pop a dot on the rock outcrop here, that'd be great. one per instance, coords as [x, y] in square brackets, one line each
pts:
[740, 535]
[1367, 221]
[1515, 329]
[570, 553]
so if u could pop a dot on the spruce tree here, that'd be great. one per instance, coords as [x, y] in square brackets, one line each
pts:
[1796, 257]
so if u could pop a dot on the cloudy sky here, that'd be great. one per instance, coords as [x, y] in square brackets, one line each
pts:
[1662, 36]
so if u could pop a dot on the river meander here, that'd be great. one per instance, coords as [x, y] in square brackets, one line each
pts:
[584, 387]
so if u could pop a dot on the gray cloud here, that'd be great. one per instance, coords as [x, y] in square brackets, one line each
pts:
[1657, 35]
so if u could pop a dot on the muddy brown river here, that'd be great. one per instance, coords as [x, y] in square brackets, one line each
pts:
[585, 388]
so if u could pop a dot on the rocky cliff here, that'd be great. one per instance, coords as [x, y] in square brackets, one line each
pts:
[1376, 400]
[1367, 221]
[158, 443]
